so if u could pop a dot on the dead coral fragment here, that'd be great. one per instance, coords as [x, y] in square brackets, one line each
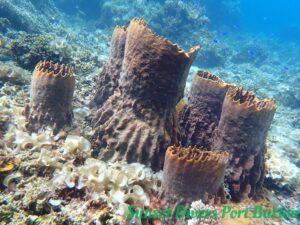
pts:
[192, 174]
[242, 131]
[52, 88]
[200, 117]
[138, 122]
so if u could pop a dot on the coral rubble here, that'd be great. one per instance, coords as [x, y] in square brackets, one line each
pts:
[193, 174]
[242, 131]
[51, 96]
[202, 113]
[138, 122]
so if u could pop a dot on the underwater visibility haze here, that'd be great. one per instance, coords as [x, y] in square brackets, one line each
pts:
[149, 112]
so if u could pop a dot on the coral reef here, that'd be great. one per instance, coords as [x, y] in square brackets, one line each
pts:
[48, 178]
[242, 131]
[138, 121]
[29, 49]
[109, 77]
[13, 74]
[251, 53]
[201, 115]
[192, 174]
[51, 96]
[168, 14]
[23, 15]
[58, 181]
[4, 24]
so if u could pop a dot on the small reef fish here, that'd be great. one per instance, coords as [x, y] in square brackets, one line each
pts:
[224, 33]
[216, 41]
[251, 53]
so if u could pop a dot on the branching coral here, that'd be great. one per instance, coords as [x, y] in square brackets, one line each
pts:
[51, 95]
[202, 113]
[138, 122]
[191, 174]
[242, 131]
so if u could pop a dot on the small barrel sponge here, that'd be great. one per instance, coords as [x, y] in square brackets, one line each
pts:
[107, 80]
[193, 174]
[138, 122]
[52, 88]
[201, 115]
[242, 131]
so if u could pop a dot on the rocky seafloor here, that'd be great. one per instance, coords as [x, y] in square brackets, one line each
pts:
[54, 179]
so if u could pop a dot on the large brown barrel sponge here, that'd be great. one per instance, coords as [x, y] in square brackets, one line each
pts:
[242, 131]
[192, 174]
[201, 115]
[108, 79]
[51, 94]
[138, 122]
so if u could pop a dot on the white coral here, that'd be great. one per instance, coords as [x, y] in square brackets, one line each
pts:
[198, 206]
[128, 183]
[76, 145]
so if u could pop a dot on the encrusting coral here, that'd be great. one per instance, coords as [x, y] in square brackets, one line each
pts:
[138, 122]
[191, 174]
[201, 115]
[108, 79]
[52, 88]
[242, 131]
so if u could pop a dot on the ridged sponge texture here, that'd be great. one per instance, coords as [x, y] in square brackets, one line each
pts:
[201, 115]
[138, 122]
[242, 131]
[193, 174]
[52, 88]
[108, 79]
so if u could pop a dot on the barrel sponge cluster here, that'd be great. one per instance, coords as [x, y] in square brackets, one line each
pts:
[52, 88]
[135, 120]
[224, 117]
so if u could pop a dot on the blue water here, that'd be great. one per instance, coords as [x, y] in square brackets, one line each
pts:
[279, 18]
